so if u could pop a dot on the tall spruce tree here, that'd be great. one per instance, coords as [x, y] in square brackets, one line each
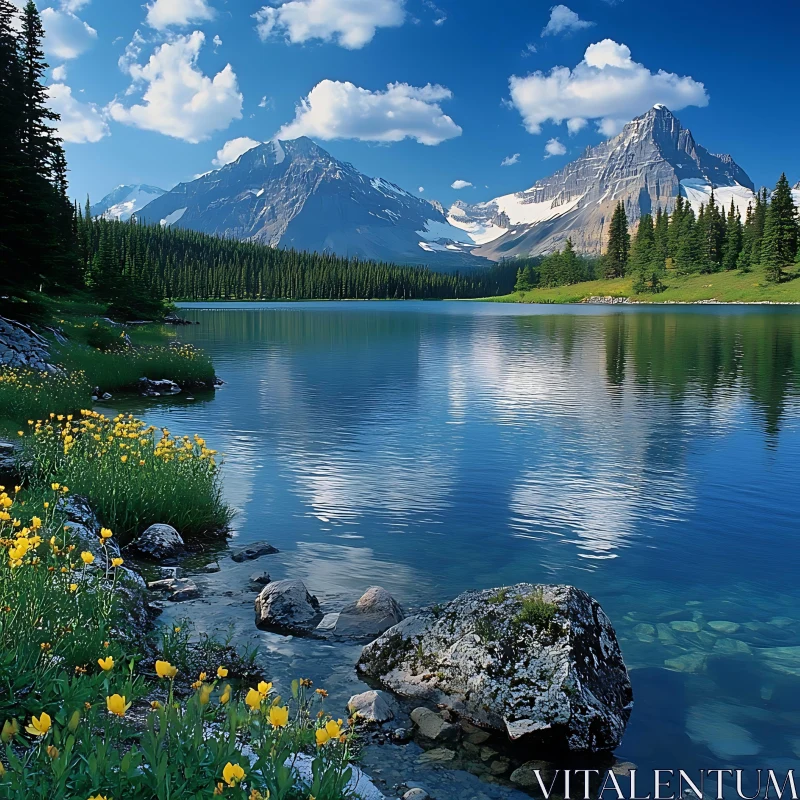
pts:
[779, 245]
[732, 246]
[745, 260]
[645, 263]
[619, 244]
[661, 236]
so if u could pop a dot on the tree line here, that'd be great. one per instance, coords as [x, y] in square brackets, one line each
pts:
[713, 240]
[180, 264]
[37, 235]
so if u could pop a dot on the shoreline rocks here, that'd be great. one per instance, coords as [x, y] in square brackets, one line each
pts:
[21, 346]
[158, 542]
[287, 607]
[373, 613]
[531, 661]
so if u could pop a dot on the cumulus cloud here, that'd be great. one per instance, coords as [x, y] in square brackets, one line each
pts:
[179, 100]
[60, 73]
[80, 122]
[510, 160]
[459, 184]
[564, 20]
[65, 35]
[341, 110]
[351, 23]
[232, 149]
[554, 148]
[162, 14]
[608, 86]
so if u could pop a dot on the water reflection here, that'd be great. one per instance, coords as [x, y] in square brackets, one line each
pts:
[649, 456]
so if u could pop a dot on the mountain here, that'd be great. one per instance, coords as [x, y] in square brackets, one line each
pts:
[796, 194]
[294, 194]
[125, 200]
[646, 166]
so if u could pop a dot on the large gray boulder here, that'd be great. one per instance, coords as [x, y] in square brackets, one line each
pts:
[533, 661]
[158, 542]
[373, 613]
[287, 607]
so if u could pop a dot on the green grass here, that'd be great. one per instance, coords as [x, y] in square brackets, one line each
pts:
[726, 287]
[133, 475]
[121, 369]
[536, 611]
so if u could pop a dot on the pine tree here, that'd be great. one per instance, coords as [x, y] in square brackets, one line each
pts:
[675, 226]
[732, 246]
[779, 246]
[12, 224]
[689, 254]
[745, 260]
[759, 220]
[645, 262]
[661, 236]
[523, 283]
[570, 267]
[619, 244]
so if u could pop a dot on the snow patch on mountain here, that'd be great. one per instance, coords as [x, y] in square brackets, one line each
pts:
[125, 201]
[435, 230]
[172, 218]
[698, 192]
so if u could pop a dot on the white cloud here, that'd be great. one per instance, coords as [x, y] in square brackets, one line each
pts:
[74, 5]
[232, 149]
[351, 23]
[421, 189]
[66, 36]
[80, 122]
[529, 50]
[554, 148]
[607, 86]
[163, 13]
[266, 102]
[217, 41]
[179, 100]
[440, 16]
[341, 110]
[459, 184]
[60, 73]
[510, 160]
[564, 20]
[575, 125]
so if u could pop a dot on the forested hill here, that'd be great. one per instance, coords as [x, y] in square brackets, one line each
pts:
[179, 264]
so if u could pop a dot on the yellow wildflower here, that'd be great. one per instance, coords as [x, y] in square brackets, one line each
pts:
[279, 716]
[253, 699]
[264, 688]
[116, 705]
[204, 695]
[10, 730]
[165, 670]
[226, 695]
[40, 726]
[106, 664]
[87, 557]
[232, 774]
[329, 733]
[222, 672]
[117, 562]
[73, 587]
[105, 533]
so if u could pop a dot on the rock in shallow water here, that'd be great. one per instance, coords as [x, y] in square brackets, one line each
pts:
[373, 613]
[158, 542]
[528, 660]
[253, 551]
[373, 706]
[287, 607]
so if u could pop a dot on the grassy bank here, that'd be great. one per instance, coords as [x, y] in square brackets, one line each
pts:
[726, 287]
[84, 715]
[94, 353]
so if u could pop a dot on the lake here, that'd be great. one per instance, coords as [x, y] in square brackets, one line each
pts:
[650, 456]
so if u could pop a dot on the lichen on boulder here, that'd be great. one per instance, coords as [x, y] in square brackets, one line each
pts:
[534, 661]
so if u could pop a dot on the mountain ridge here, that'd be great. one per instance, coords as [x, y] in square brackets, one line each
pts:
[125, 200]
[652, 159]
[295, 194]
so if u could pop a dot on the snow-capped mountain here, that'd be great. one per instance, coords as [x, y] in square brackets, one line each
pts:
[294, 194]
[796, 194]
[646, 166]
[125, 200]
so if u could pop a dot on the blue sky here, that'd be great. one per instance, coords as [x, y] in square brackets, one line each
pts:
[423, 93]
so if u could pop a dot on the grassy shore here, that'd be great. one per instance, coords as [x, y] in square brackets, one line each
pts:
[725, 287]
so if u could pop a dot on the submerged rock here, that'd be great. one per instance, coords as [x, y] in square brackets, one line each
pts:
[373, 613]
[372, 707]
[528, 660]
[287, 607]
[158, 542]
[151, 388]
[253, 551]
[431, 726]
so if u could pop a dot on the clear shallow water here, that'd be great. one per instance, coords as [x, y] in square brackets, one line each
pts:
[649, 456]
